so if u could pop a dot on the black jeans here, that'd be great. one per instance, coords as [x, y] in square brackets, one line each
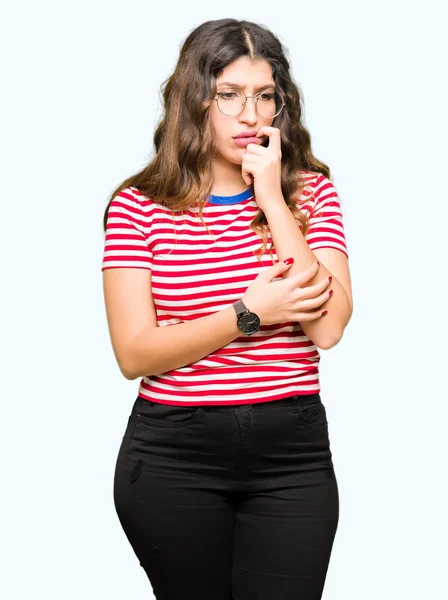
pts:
[229, 502]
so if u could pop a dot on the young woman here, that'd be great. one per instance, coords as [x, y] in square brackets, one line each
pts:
[224, 483]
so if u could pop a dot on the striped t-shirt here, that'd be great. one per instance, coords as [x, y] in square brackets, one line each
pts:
[196, 276]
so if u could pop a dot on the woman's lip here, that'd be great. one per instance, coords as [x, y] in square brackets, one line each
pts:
[248, 134]
[243, 141]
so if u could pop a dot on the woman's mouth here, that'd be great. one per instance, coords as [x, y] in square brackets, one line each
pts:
[243, 141]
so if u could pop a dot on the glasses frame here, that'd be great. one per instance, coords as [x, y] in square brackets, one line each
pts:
[245, 102]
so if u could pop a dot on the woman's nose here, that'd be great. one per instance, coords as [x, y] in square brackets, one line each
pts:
[249, 111]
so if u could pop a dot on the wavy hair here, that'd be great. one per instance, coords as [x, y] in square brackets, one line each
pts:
[179, 176]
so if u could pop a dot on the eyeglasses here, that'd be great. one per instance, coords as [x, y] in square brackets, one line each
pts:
[267, 104]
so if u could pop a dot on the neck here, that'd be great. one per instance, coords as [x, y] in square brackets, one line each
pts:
[227, 178]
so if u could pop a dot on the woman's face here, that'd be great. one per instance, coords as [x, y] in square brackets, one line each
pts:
[251, 77]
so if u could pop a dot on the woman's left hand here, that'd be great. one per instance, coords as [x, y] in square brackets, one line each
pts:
[264, 166]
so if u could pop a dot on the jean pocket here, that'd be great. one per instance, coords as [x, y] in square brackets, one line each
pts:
[165, 415]
[313, 416]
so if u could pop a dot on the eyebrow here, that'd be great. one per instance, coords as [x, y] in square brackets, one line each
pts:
[231, 84]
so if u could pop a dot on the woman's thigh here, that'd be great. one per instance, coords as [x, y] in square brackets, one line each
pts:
[283, 542]
[287, 520]
[179, 524]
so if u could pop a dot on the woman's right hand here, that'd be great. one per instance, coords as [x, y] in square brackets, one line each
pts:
[287, 300]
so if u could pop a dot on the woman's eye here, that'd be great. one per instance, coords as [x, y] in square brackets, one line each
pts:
[266, 96]
[227, 95]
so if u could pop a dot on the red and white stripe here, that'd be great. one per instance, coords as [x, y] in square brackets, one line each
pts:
[198, 275]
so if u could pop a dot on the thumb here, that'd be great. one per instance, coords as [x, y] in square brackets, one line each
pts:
[248, 177]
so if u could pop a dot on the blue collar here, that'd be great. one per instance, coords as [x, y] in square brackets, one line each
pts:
[232, 199]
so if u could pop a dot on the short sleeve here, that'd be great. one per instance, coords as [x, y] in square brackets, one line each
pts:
[127, 229]
[326, 227]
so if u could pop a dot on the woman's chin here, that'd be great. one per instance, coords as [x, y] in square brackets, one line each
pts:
[233, 156]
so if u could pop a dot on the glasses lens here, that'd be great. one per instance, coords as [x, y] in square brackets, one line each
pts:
[269, 104]
[231, 103]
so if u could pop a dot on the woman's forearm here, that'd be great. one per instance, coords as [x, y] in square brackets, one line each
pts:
[160, 349]
[288, 240]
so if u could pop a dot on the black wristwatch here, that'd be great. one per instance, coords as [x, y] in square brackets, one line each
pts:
[248, 322]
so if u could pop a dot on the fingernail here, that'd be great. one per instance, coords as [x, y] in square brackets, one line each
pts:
[330, 293]
[289, 261]
[324, 313]
[330, 278]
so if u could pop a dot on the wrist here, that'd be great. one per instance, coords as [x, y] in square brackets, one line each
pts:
[248, 322]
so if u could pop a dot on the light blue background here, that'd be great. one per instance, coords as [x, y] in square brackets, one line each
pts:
[79, 105]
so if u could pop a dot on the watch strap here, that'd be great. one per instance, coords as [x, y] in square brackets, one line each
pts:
[240, 307]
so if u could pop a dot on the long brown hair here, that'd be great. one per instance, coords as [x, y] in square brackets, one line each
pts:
[180, 176]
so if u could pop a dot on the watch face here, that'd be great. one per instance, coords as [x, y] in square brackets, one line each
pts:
[249, 323]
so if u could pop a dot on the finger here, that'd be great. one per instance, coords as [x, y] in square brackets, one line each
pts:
[305, 275]
[252, 167]
[274, 136]
[248, 177]
[317, 288]
[269, 131]
[258, 158]
[312, 303]
[256, 150]
[311, 316]
[304, 291]
[312, 291]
